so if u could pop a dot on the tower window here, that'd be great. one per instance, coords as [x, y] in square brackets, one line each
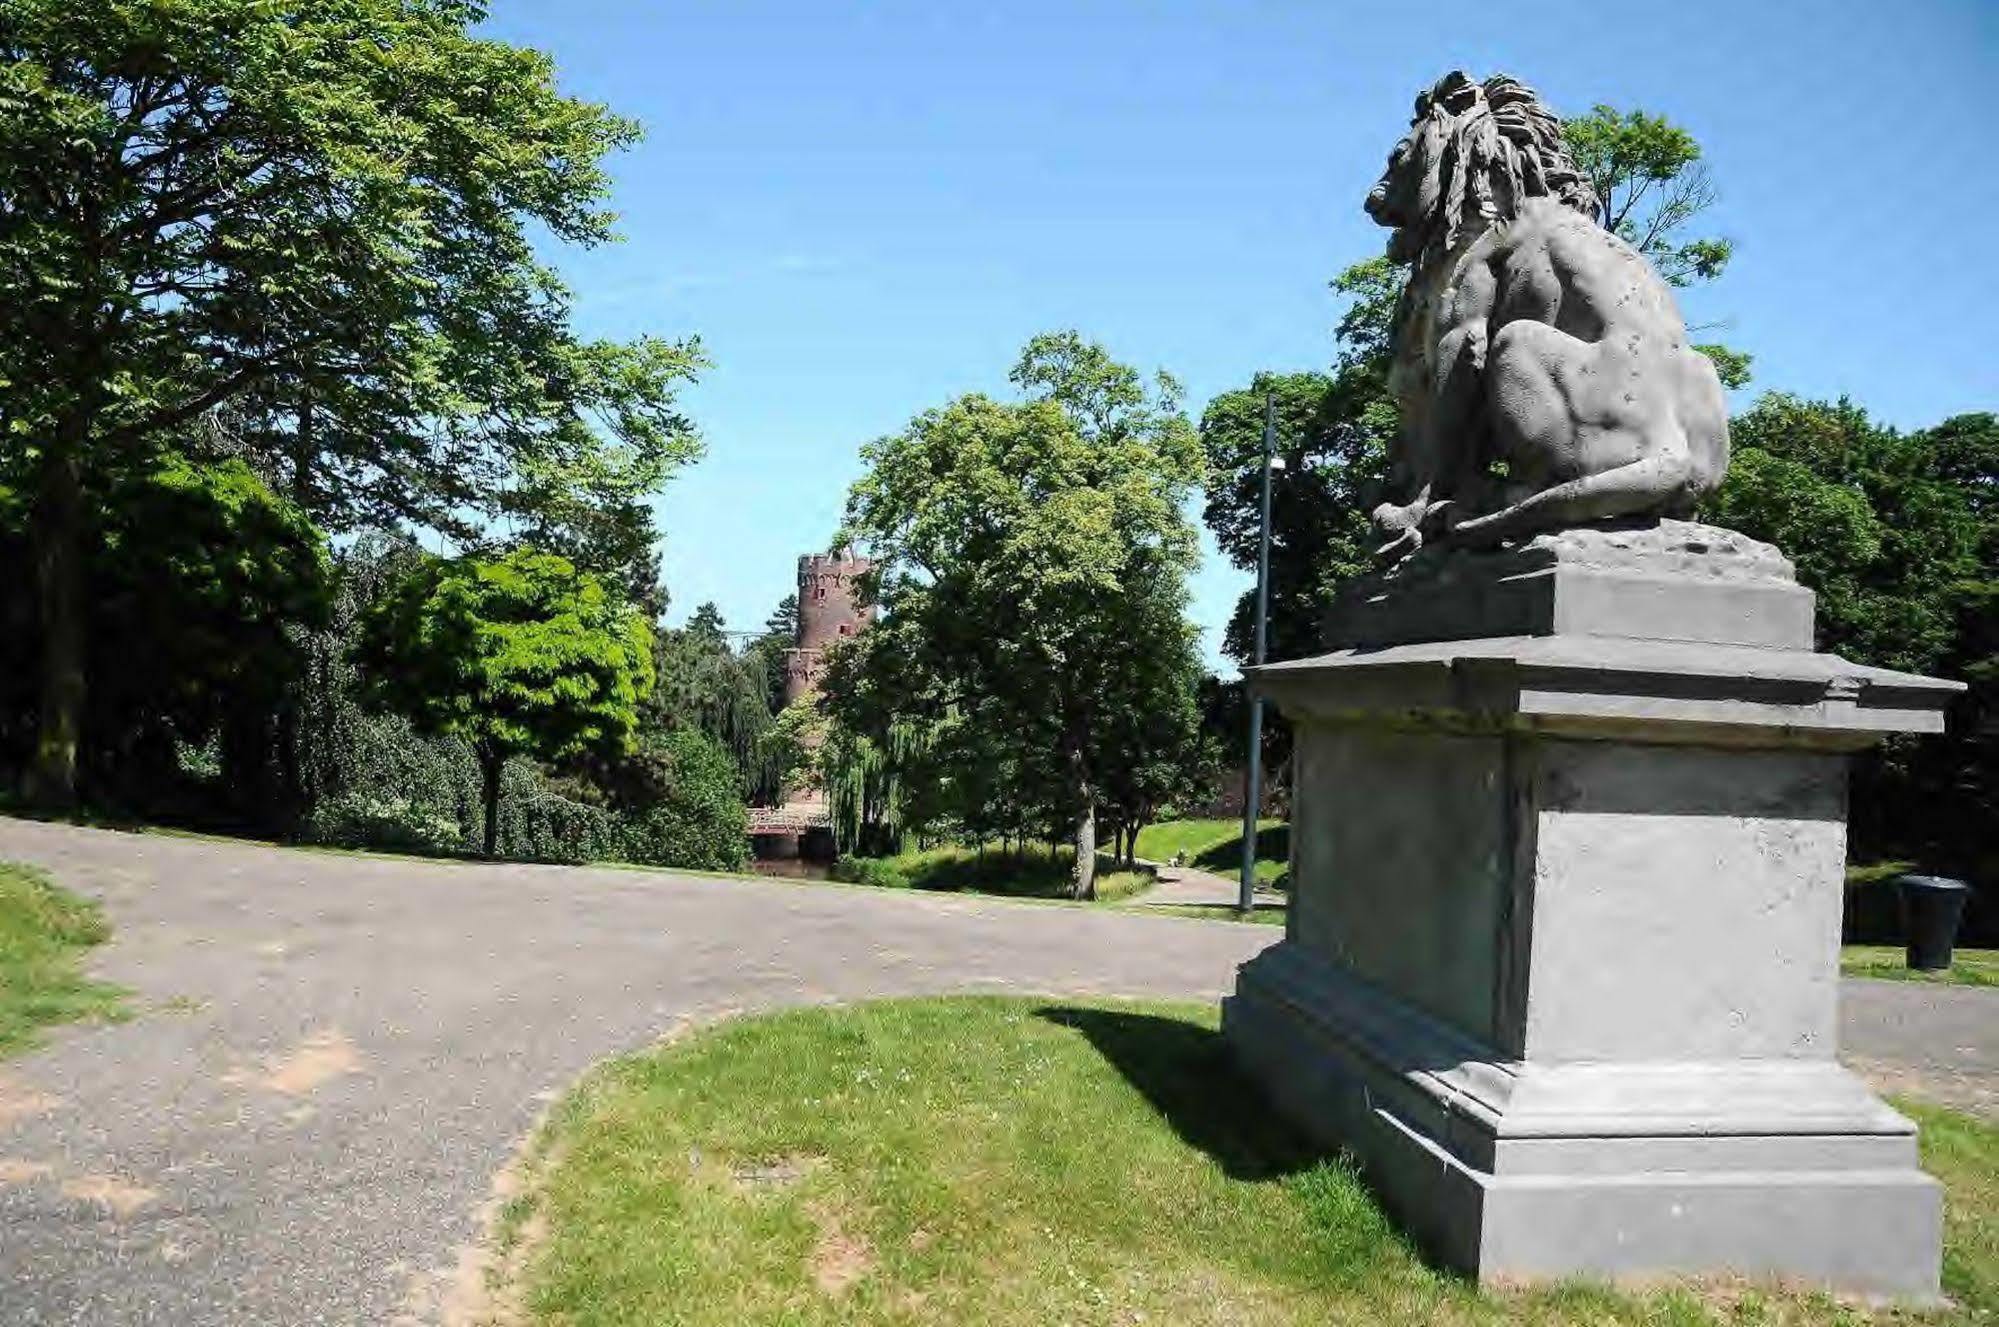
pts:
[846, 629]
[819, 592]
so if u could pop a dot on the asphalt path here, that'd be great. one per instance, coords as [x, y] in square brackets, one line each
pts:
[333, 1055]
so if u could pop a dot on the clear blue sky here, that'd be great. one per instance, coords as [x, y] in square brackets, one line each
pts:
[866, 208]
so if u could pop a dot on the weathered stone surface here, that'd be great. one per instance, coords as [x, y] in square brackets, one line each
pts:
[1562, 956]
[1514, 1170]
[1657, 690]
[1650, 579]
[1531, 335]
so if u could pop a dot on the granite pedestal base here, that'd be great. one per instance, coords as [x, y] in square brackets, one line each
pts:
[1561, 965]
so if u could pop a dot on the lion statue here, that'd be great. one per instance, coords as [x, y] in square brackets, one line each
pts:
[1541, 365]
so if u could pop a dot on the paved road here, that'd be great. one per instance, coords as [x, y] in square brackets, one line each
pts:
[1191, 887]
[335, 1054]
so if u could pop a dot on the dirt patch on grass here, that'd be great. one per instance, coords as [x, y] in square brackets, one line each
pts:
[484, 1286]
[781, 1173]
[18, 1102]
[1960, 1088]
[15, 1171]
[840, 1258]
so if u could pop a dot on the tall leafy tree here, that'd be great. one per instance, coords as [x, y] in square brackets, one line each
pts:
[1898, 533]
[1027, 551]
[1332, 434]
[203, 573]
[1884, 538]
[522, 655]
[706, 686]
[304, 229]
[1651, 187]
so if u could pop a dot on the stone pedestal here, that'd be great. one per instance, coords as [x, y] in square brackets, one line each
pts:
[1562, 959]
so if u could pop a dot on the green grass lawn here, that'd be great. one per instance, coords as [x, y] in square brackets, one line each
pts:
[43, 934]
[1005, 1161]
[1969, 967]
[1032, 873]
[1216, 845]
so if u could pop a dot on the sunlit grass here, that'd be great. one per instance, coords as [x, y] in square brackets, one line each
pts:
[999, 1161]
[44, 932]
[1969, 967]
[1216, 845]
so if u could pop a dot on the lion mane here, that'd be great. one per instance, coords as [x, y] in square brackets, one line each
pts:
[1500, 147]
[1530, 335]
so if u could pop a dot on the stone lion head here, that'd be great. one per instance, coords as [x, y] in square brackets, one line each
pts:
[1473, 154]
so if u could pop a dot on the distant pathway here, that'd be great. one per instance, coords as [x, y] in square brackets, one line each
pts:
[1191, 887]
[333, 1055]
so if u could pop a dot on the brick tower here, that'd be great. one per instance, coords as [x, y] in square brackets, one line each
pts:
[826, 613]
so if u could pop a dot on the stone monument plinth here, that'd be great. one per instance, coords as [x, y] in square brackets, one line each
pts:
[1562, 960]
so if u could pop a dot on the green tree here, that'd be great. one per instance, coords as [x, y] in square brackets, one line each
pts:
[1332, 435]
[203, 573]
[521, 655]
[1651, 185]
[1153, 747]
[1885, 541]
[1896, 533]
[684, 807]
[1026, 552]
[707, 686]
[782, 624]
[304, 229]
[780, 634]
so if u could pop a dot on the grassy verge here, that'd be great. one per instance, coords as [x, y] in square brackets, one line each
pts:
[995, 1161]
[1969, 967]
[1031, 873]
[1215, 912]
[43, 934]
[1216, 845]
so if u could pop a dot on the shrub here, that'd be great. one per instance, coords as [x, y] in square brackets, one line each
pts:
[881, 872]
[539, 822]
[689, 811]
[384, 823]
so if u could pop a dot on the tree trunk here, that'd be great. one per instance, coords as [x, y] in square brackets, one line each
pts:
[1086, 851]
[1086, 829]
[490, 765]
[57, 532]
[303, 452]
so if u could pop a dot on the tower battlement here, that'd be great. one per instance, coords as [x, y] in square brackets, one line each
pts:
[827, 613]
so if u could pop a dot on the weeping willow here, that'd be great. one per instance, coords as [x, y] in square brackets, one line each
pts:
[706, 685]
[864, 785]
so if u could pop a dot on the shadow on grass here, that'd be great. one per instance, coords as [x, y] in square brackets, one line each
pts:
[1273, 844]
[1034, 873]
[1191, 1078]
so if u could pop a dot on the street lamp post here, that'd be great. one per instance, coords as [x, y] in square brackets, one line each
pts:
[1252, 791]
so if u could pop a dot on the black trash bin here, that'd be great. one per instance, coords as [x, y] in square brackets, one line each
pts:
[1932, 907]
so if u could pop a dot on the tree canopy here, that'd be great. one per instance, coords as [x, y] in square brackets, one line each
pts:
[207, 576]
[1898, 533]
[1874, 526]
[1031, 558]
[303, 233]
[1651, 185]
[522, 655]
